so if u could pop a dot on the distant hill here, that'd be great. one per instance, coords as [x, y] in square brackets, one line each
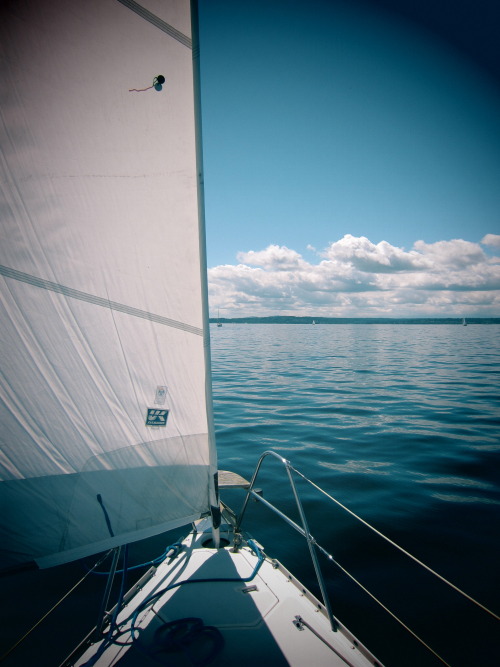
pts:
[288, 319]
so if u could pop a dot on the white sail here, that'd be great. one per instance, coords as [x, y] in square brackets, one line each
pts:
[103, 314]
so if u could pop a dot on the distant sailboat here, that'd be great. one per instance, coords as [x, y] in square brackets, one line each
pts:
[464, 322]
[219, 323]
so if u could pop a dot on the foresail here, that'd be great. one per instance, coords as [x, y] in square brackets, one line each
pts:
[106, 423]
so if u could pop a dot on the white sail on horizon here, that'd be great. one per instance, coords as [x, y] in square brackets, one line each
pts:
[104, 317]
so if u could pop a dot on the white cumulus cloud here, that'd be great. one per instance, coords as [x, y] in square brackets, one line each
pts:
[275, 257]
[370, 258]
[354, 277]
[492, 240]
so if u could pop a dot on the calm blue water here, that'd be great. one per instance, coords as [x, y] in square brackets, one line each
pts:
[401, 424]
[398, 422]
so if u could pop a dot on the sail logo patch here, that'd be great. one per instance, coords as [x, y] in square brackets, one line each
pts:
[160, 396]
[156, 417]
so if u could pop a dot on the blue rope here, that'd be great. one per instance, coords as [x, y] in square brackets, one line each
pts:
[155, 596]
[114, 632]
[176, 547]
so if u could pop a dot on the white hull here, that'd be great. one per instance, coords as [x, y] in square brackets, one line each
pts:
[271, 619]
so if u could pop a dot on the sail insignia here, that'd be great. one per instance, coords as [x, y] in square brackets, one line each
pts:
[156, 417]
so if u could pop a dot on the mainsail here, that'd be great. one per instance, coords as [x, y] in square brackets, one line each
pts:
[106, 424]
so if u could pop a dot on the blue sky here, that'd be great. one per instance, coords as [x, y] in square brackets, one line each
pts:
[347, 148]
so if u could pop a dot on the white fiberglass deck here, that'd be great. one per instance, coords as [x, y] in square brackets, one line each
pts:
[256, 621]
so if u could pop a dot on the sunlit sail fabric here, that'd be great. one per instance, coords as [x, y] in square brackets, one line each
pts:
[102, 309]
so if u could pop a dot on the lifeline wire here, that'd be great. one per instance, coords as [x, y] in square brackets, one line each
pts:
[54, 607]
[407, 553]
[332, 559]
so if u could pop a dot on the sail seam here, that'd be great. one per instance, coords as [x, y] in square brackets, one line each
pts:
[157, 22]
[96, 300]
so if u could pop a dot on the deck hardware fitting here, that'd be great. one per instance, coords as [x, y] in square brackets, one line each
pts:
[237, 540]
[300, 624]
[297, 621]
[249, 589]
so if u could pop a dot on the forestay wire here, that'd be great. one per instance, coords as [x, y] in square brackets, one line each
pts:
[394, 544]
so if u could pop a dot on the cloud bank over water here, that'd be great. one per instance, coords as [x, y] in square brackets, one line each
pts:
[353, 277]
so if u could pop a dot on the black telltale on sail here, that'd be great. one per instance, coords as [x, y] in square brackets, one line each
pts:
[158, 81]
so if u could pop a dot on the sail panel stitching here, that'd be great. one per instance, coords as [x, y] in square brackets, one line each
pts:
[157, 22]
[96, 300]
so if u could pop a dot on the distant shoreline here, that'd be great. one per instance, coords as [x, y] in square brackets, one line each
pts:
[284, 319]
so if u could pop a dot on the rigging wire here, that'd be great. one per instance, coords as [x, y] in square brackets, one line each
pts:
[107, 638]
[379, 602]
[406, 553]
[12, 648]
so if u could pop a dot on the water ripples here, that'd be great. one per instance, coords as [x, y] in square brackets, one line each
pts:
[360, 400]
[398, 422]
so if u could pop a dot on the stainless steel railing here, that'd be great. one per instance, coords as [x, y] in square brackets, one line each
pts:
[303, 530]
[313, 546]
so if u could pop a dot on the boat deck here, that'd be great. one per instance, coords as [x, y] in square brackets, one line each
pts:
[271, 619]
